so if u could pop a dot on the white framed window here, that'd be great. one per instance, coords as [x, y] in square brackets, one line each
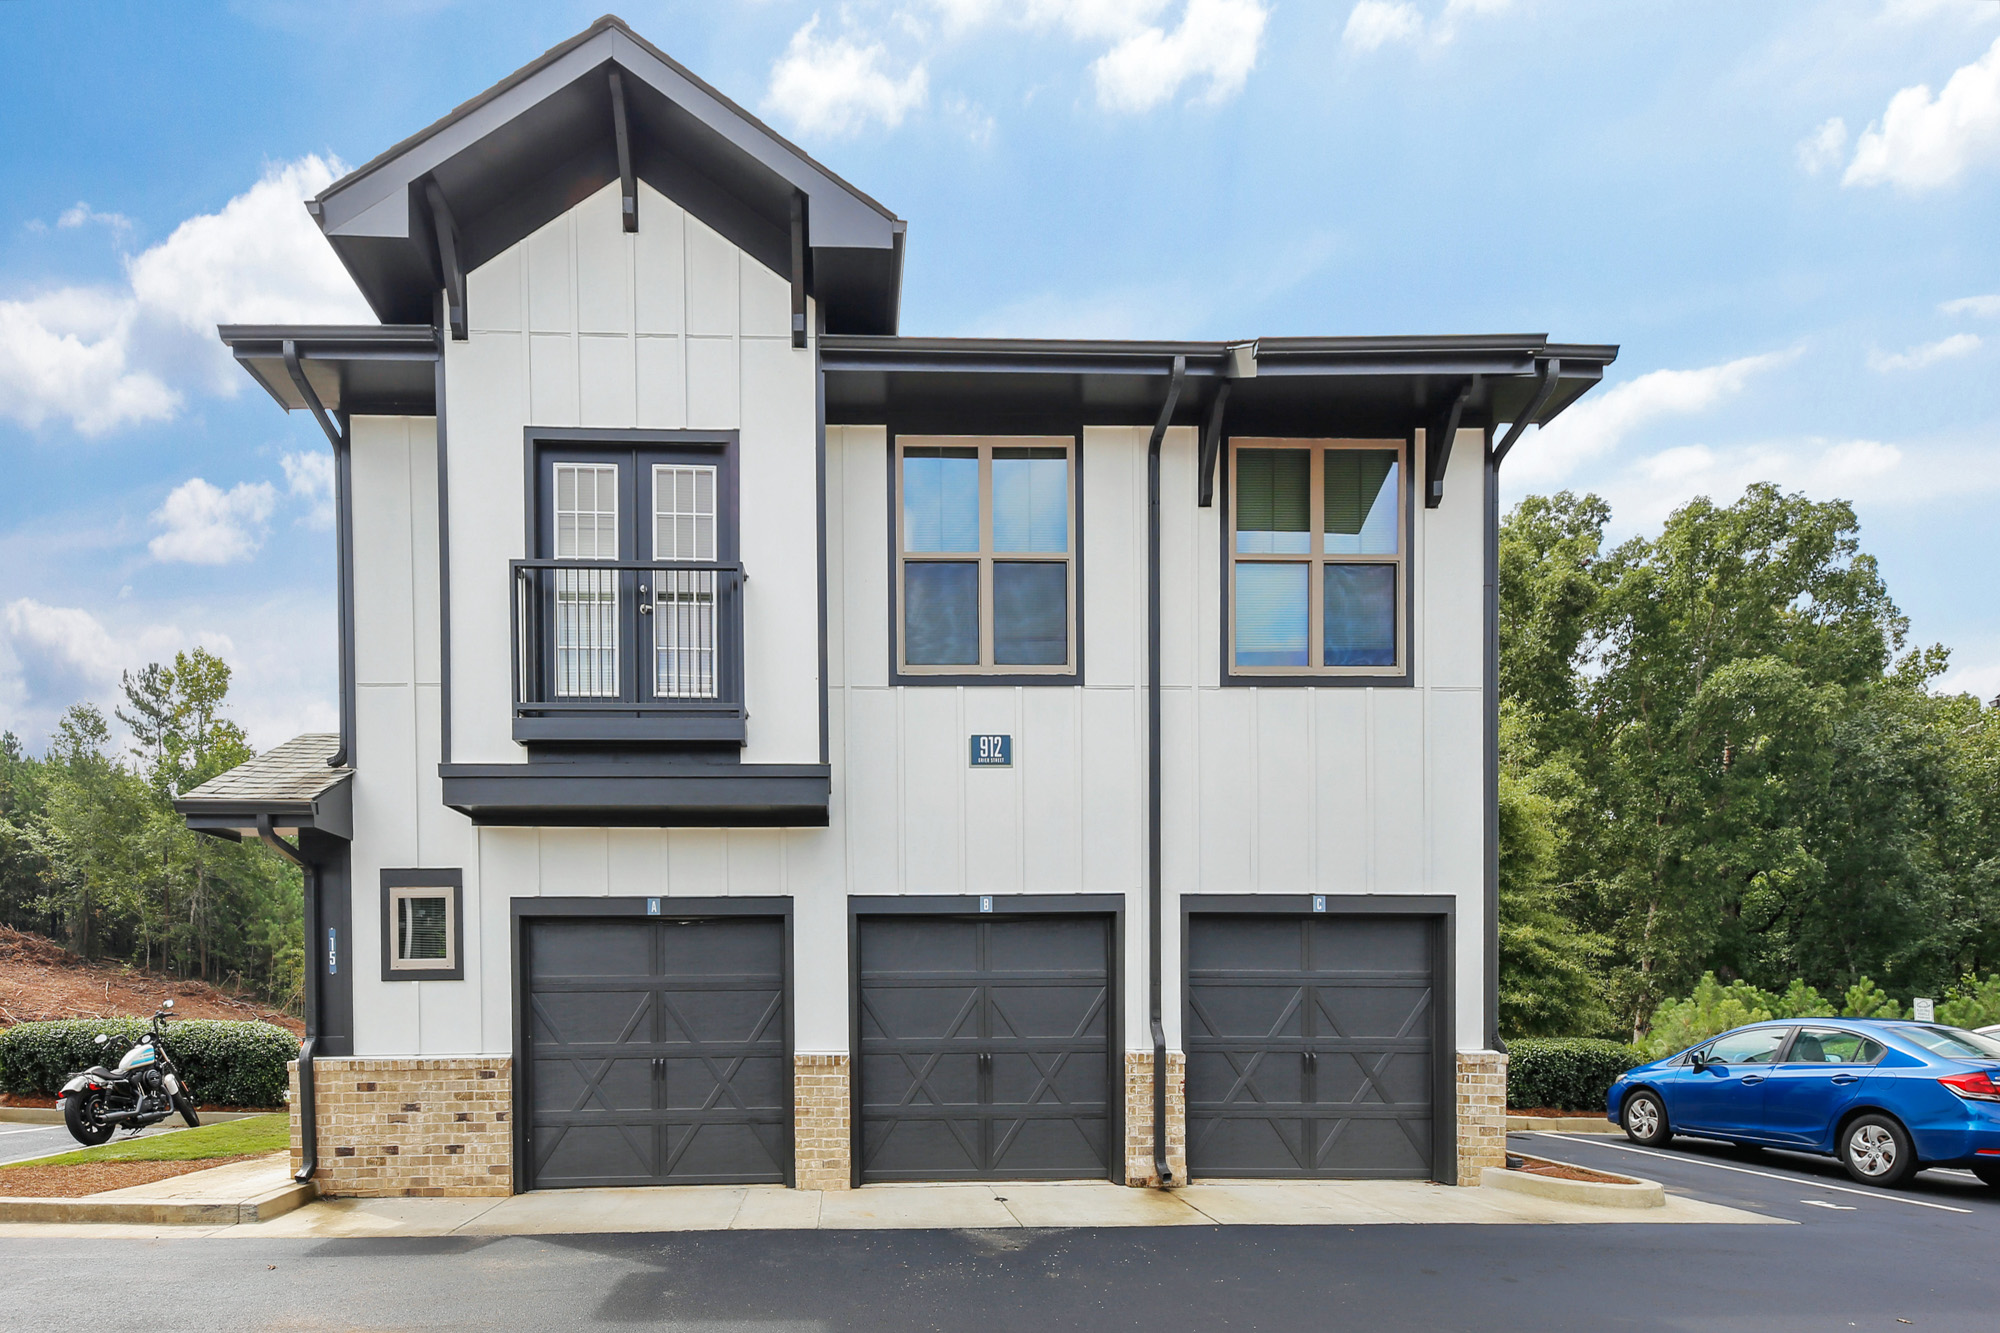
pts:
[986, 538]
[1318, 557]
[423, 934]
[586, 611]
[683, 609]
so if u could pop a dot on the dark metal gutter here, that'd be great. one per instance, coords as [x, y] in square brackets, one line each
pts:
[1153, 884]
[308, 1112]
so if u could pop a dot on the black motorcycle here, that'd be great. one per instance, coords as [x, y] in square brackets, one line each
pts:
[143, 1090]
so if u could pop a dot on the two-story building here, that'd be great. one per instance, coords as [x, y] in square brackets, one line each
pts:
[774, 748]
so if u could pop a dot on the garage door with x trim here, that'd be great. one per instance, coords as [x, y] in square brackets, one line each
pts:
[1309, 1046]
[657, 1052]
[984, 1048]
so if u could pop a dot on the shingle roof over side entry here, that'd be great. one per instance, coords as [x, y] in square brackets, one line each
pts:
[294, 771]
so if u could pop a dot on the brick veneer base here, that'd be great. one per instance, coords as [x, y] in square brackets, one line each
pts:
[390, 1128]
[1139, 1167]
[1482, 1113]
[821, 1141]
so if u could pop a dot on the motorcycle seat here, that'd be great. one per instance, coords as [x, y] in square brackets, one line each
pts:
[100, 1071]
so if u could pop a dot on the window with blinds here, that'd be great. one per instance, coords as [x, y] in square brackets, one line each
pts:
[586, 600]
[1318, 557]
[426, 935]
[985, 544]
[684, 599]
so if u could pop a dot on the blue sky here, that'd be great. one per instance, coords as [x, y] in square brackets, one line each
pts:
[1786, 214]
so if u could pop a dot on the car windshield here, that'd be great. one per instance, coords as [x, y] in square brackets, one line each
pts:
[1956, 1043]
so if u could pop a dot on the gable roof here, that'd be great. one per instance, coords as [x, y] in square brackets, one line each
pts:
[539, 141]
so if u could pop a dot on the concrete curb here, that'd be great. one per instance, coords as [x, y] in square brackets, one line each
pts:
[1635, 1193]
[158, 1212]
[1563, 1124]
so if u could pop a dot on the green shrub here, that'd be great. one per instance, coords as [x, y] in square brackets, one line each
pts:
[227, 1064]
[1564, 1073]
[1972, 1003]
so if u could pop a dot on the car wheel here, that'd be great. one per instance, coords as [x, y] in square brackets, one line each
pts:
[1988, 1173]
[1877, 1151]
[1645, 1119]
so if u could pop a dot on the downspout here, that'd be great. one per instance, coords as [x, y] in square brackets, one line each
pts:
[1153, 893]
[1549, 370]
[308, 1114]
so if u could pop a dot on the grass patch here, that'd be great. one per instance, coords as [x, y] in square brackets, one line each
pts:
[231, 1138]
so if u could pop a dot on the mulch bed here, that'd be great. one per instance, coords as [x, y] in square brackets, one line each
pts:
[1550, 1111]
[81, 1178]
[1539, 1166]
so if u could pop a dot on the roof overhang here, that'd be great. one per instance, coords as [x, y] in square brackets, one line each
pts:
[1277, 385]
[547, 136]
[364, 370]
[641, 793]
[294, 787]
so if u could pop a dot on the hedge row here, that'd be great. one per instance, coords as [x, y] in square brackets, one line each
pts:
[1564, 1073]
[227, 1064]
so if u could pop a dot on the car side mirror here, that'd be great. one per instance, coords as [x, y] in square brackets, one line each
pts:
[1697, 1063]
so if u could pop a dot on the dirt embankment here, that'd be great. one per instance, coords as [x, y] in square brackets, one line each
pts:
[39, 979]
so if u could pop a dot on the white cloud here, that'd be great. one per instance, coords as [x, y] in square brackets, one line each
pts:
[81, 214]
[1824, 147]
[1983, 306]
[1597, 425]
[1373, 24]
[205, 525]
[68, 354]
[309, 477]
[1981, 679]
[1924, 142]
[1926, 354]
[104, 357]
[836, 87]
[280, 651]
[1216, 41]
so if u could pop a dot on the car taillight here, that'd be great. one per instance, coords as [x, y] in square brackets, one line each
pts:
[1977, 1086]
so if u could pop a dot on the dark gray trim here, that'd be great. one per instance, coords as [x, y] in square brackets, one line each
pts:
[819, 513]
[451, 271]
[967, 905]
[997, 677]
[659, 794]
[536, 441]
[444, 561]
[1211, 447]
[1438, 438]
[1547, 374]
[343, 582]
[308, 393]
[521, 911]
[801, 264]
[1329, 681]
[621, 131]
[1154, 760]
[1490, 734]
[425, 878]
[1443, 909]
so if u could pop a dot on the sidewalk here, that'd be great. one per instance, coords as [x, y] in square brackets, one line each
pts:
[242, 1192]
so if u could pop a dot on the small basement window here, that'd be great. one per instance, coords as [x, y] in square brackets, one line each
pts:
[423, 932]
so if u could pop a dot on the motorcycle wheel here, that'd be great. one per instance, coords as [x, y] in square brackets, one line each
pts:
[80, 1114]
[185, 1105]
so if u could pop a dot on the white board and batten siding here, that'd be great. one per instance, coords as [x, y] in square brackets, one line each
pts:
[1335, 790]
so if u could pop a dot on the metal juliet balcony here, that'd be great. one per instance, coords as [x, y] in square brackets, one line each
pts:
[609, 654]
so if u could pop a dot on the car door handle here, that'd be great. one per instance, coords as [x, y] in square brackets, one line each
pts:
[1846, 1078]
[1749, 1079]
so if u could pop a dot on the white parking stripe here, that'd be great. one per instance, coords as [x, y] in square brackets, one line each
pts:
[1768, 1175]
[38, 1129]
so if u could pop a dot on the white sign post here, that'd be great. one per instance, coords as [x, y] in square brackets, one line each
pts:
[1923, 1011]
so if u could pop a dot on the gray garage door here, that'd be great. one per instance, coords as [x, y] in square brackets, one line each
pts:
[984, 1051]
[657, 1052]
[1309, 1046]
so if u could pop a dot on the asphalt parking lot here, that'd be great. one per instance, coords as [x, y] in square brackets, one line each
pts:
[1851, 1257]
[19, 1142]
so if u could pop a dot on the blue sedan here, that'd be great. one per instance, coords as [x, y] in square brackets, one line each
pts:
[1886, 1098]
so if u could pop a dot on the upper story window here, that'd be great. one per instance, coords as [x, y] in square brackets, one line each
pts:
[986, 556]
[1318, 558]
[631, 605]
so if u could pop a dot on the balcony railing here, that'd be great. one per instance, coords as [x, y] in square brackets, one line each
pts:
[608, 653]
